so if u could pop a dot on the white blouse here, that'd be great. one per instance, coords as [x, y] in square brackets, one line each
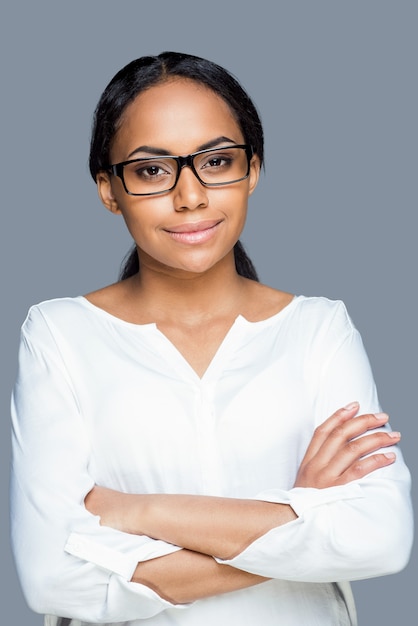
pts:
[103, 401]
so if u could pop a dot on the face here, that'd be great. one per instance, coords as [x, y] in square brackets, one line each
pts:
[192, 227]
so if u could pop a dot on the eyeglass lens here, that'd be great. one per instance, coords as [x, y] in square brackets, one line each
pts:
[157, 174]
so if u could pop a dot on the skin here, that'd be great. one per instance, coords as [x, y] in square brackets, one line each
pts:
[191, 290]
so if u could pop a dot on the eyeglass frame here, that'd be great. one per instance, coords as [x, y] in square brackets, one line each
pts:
[182, 161]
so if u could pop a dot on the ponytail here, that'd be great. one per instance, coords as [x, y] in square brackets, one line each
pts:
[130, 264]
[243, 263]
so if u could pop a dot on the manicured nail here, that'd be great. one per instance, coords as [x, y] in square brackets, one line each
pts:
[394, 435]
[390, 455]
[350, 406]
[381, 416]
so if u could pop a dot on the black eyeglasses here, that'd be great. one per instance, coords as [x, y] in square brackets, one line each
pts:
[149, 176]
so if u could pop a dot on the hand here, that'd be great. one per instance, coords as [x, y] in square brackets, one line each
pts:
[337, 453]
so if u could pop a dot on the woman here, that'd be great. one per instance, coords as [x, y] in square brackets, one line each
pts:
[181, 454]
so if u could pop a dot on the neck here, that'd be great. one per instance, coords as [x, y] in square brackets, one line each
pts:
[169, 294]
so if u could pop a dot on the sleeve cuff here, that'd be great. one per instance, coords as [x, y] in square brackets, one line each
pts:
[113, 560]
[303, 499]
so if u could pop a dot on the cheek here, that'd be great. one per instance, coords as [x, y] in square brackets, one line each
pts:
[236, 206]
[143, 215]
[231, 201]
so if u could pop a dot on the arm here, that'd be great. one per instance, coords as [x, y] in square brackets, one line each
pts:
[224, 527]
[210, 524]
[353, 521]
[67, 562]
[186, 576]
[348, 531]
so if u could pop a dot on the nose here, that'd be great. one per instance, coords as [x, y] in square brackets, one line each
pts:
[189, 193]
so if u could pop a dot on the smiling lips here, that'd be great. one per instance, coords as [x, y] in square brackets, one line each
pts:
[194, 232]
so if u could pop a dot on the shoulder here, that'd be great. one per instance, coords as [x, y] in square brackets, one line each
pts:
[54, 313]
[322, 322]
[321, 308]
[91, 306]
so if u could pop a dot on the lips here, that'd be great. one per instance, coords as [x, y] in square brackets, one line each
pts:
[193, 227]
[193, 232]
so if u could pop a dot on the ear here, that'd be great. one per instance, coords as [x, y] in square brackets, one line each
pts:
[105, 191]
[254, 175]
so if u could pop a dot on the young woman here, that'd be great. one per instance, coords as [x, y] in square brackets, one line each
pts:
[190, 446]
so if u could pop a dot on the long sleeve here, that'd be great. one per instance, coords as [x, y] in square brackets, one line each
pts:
[68, 563]
[359, 530]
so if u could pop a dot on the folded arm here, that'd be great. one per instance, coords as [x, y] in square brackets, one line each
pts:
[186, 576]
[226, 527]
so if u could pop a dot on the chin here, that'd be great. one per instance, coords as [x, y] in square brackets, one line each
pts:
[202, 266]
[196, 262]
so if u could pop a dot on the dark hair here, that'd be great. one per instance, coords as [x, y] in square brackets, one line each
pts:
[148, 71]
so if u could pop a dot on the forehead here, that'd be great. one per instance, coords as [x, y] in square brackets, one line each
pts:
[179, 116]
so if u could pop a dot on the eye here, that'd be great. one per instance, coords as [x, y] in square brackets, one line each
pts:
[217, 161]
[150, 170]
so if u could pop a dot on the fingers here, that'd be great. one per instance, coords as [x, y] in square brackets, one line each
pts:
[343, 448]
[365, 466]
[323, 431]
[351, 456]
[347, 437]
[341, 428]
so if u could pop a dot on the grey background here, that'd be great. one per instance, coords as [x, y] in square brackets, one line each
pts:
[335, 214]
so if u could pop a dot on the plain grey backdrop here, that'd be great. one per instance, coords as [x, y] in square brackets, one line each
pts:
[335, 213]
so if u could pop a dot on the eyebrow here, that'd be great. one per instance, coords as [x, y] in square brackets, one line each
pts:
[161, 152]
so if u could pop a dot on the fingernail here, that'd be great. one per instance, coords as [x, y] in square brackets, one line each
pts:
[394, 435]
[390, 455]
[381, 416]
[350, 406]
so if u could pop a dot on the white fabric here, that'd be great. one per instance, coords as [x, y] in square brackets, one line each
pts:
[99, 400]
